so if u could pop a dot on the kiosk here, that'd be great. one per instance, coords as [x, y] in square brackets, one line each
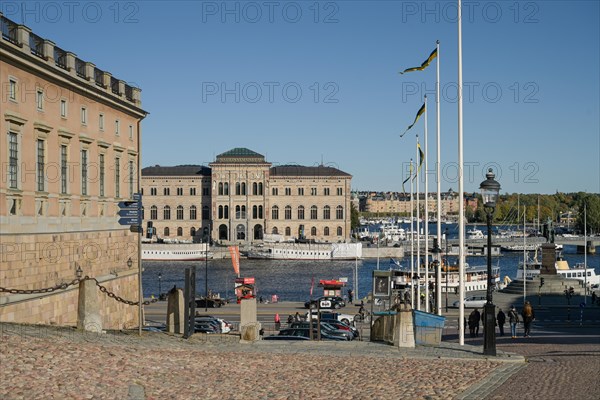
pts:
[244, 289]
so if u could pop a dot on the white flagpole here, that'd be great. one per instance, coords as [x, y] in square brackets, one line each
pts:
[426, 223]
[524, 258]
[412, 239]
[461, 194]
[438, 289]
[585, 250]
[418, 233]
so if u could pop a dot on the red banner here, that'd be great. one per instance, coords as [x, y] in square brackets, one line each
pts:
[234, 251]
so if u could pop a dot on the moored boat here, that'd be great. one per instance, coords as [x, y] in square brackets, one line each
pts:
[307, 251]
[154, 251]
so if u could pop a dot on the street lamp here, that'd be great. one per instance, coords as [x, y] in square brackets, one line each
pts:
[490, 189]
[415, 282]
[437, 265]
[159, 284]
[447, 264]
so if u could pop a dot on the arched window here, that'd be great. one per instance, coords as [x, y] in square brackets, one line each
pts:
[326, 231]
[166, 212]
[166, 231]
[238, 214]
[260, 188]
[154, 212]
[221, 188]
[220, 212]
[243, 212]
[192, 231]
[254, 212]
[226, 212]
[241, 232]
[226, 189]
[260, 212]
[274, 231]
[288, 212]
[179, 231]
[313, 212]
[254, 188]
[339, 231]
[243, 188]
[222, 232]
[275, 212]
[326, 212]
[288, 231]
[339, 212]
[237, 189]
[313, 231]
[192, 212]
[301, 212]
[179, 213]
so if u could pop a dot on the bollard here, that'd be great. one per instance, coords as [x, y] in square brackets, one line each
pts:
[88, 307]
[175, 319]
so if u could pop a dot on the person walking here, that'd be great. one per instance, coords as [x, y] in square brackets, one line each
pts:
[501, 319]
[474, 319]
[350, 296]
[277, 322]
[528, 317]
[513, 319]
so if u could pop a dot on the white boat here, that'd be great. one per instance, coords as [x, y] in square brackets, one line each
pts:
[473, 234]
[392, 232]
[155, 251]
[307, 251]
[521, 247]
[475, 278]
[579, 271]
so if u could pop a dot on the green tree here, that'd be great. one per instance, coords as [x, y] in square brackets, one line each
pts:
[354, 217]
[591, 202]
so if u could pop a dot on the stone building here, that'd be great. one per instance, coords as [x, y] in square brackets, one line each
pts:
[246, 198]
[69, 154]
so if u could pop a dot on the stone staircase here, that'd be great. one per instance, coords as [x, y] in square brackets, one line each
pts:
[553, 284]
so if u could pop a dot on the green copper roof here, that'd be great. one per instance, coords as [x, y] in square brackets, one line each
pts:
[240, 153]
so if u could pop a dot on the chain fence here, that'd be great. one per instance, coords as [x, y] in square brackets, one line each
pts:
[76, 281]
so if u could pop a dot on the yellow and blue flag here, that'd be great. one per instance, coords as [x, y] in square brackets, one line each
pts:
[425, 63]
[419, 113]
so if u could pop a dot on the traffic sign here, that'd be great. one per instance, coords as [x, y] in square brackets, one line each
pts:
[128, 212]
[129, 221]
[129, 204]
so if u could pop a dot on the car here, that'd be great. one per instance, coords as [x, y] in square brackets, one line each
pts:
[472, 302]
[326, 315]
[326, 302]
[304, 332]
[326, 329]
[205, 327]
[224, 326]
[285, 337]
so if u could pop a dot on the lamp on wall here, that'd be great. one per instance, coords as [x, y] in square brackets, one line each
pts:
[129, 262]
[79, 272]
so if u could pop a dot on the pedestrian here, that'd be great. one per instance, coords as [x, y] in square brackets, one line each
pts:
[513, 320]
[501, 319]
[474, 318]
[260, 299]
[277, 322]
[477, 320]
[297, 317]
[594, 298]
[290, 319]
[350, 296]
[528, 317]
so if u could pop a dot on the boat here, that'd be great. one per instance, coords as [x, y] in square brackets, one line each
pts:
[474, 234]
[307, 251]
[475, 277]
[175, 251]
[579, 271]
[521, 247]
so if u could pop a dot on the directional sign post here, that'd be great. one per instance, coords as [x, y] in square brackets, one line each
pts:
[131, 211]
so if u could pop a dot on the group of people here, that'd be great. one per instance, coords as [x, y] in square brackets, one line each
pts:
[527, 314]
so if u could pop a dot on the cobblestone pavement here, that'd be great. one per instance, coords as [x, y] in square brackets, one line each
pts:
[58, 363]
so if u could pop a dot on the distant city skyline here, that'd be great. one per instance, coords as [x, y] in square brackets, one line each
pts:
[317, 82]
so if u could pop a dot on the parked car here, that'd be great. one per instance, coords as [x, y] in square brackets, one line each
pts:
[304, 332]
[326, 302]
[328, 315]
[326, 329]
[285, 337]
[472, 302]
[205, 327]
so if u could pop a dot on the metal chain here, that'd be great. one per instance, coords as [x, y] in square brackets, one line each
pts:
[63, 286]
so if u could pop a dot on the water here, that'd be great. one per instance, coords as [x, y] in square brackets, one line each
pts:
[291, 280]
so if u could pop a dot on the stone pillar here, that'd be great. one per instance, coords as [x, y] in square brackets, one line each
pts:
[175, 304]
[89, 71]
[548, 259]
[248, 312]
[49, 51]
[137, 98]
[23, 38]
[71, 63]
[121, 88]
[404, 331]
[88, 307]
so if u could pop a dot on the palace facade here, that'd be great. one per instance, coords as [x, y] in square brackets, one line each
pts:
[69, 153]
[242, 198]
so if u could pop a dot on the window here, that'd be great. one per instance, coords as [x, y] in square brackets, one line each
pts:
[179, 191]
[260, 188]
[301, 212]
[288, 191]
[40, 99]
[40, 166]
[226, 212]
[13, 159]
[152, 191]
[63, 108]
[339, 231]
[166, 231]
[101, 174]
[254, 212]
[101, 122]
[243, 188]
[339, 212]
[340, 192]
[12, 89]
[117, 127]
[179, 231]
[63, 169]
[180, 212]
[326, 212]
[275, 212]
[274, 230]
[313, 231]
[238, 189]
[166, 212]
[326, 231]
[313, 212]
[313, 191]
[192, 212]
[84, 115]
[240, 212]
[260, 212]
[205, 214]
[226, 189]
[241, 232]
[84, 171]
[288, 212]
[220, 212]
[326, 191]
[166, 191]
[192, 231]
[300, 191]
[274, 192]
[192, 191]
[254, 188]
[153, 212]
[117, 177]
[131, 178]
[288, 231]
[131, 132]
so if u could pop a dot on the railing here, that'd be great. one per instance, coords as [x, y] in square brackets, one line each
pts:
[99, 77]
[60, 58]
[114, 85]
[9, 30]
[80, 68]
[36, 44]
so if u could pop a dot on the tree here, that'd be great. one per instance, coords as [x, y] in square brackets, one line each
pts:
[354, 218]
[592, 205]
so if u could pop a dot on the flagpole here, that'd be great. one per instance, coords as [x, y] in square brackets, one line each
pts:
[438, 289]
[461, 204]
[412, 239]
[418, 233]
[426, 219]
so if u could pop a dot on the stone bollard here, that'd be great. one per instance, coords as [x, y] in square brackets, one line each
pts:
[175, 306]
[88, 307]
[404, 331]
[248, 312]
[250, 332]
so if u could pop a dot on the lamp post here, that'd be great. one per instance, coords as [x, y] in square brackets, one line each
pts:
[159, 285]
[490, 189]
[437, 265]
[415, 282]
[446, 235]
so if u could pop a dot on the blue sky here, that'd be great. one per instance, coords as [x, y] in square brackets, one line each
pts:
[306, 81]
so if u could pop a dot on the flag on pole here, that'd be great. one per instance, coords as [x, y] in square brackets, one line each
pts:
[425, 64]
[419, 113]
[409, 176]
[234, 251]
[421, 158]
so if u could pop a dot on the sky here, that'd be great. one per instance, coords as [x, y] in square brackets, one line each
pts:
[311, 82]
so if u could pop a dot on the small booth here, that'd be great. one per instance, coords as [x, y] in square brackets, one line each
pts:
[332, 287]
[244, 289]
